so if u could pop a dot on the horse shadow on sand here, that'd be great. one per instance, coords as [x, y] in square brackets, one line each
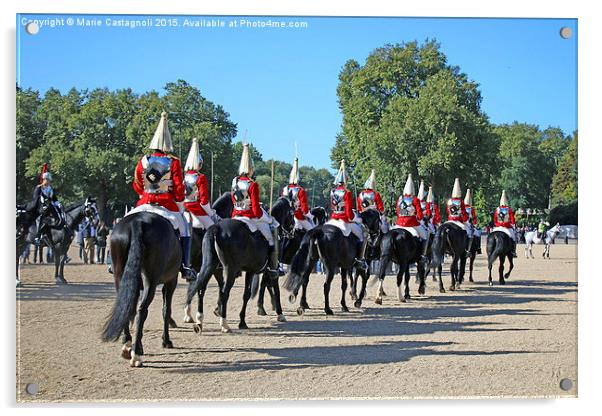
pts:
[70, 292]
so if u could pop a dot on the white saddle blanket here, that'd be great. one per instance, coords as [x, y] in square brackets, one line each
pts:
[345, 227]
[176, 218]
[505, 230]
[458, 223]
[251, 223]
[411, 230]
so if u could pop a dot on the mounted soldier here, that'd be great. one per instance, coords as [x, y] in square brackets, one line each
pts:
[542, 228]
[503, 218]
[472, 221]
[158, 181]
[196, 202]
[456, 211]
[45, 190]
[369, 198]
[410, 216]
[343, 216]
[247, 208]
[295, 192]
[433, 208]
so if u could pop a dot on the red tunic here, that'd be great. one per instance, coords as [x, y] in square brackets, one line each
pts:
[377, 200]
[167, 200]
[348, 215]
[203, 198]
[411, 220]
[472, 216]
[462, 217]
[434, 209]
[509, 221]
[255, 210]
[303, 209]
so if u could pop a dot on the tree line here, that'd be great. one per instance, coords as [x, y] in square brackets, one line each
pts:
[406, 110]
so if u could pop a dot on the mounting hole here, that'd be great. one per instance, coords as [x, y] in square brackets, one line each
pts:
[32, 388]
[566, 384]
[32, 28]
[566, 32]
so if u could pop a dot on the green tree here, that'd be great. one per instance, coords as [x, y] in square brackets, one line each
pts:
[564, 183]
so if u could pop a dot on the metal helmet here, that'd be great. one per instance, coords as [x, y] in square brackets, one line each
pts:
[371, 181]
[194, 160]
[47, 175]
[246, 163]
[421, 191]
[468, 197]
[295, 177]
[341, 178]
[409, 188]
[457, 191]
[504, 199]
[430, 197]
[162, 138]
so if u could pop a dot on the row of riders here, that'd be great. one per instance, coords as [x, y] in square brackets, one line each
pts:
[238, 235]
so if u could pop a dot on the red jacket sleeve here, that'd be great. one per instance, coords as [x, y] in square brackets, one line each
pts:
[511, 216]
[359, 205]
[437, 214]
[427, 210]
[474, 216]
[203, 186]
[418, 208]
[178, 189]
[349, 205]
[138, 179]
[464, 214]
[254, 194]
[303, 201]
[447, 209]
[379, 202]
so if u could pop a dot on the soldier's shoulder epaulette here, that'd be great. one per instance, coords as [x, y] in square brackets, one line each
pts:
[173, 157]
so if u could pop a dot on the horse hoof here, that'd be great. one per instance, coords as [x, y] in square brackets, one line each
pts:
[226, 329]
[344, 308]
[378, 301]
[442, 290]
[281, 318]
[167, 344]
[136, 361]
[502, 282]
[19, 284]
[328, 311]
[60, 281]
[126, 350]
[358, 303]
[403, 300]
[470, 280]
[243, 325]
[490, 283]
[172, 323]
[261, 311]
[383, 293]
[452, 288]
[300, 311]
[292, 298]
[421, 291]
[198, 328]
[188, 319]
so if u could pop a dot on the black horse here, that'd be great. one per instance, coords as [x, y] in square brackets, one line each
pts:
[472, 254]
[334, 250]
[450, 239]
[25, 221]
[499, 245]
[59, 237]
[231, 243]
[145, 252]
[289, 245]
[401, 247]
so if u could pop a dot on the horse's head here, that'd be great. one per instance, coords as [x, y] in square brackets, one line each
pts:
[284, 212]
[371, 219]
[91, 210]
[319, 215]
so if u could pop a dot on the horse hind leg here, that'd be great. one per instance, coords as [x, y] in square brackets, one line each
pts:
[511, 261]
[344, 273]
[245, 299]
[224, 294]
[147, 298]
[501, 270]
[327, 284]
[264, 283]
[168, 290]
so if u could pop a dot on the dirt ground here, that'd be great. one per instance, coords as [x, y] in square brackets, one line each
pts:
[513, 340]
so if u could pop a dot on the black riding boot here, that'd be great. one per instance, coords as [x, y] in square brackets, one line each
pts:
[468, 253]
[360, 262]
[425, 248]
[514, 249]
[272, 269]
[479, 245]
[188, 273]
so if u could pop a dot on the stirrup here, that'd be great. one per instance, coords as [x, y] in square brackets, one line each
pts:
[361, 264]
[188, 273]
[272, 272]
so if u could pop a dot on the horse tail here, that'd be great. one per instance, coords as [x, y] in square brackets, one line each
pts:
[302, 260]
[210, 261]
[124, 309]
[437, 248]
[494, 248]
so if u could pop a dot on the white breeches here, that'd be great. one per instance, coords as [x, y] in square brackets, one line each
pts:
[198, 221]
[303, 224]
[348, 228]
[417, 231]
[509, 231]
[469, 229]
[176, 218]
[255, 224]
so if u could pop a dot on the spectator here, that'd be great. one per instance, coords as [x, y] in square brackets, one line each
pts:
[89, 233]
[80, 240]
[25, 255]
[101, 242]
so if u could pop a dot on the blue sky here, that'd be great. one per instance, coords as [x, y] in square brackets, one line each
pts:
[279, 84]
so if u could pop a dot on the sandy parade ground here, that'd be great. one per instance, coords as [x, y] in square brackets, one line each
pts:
[513, 340]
